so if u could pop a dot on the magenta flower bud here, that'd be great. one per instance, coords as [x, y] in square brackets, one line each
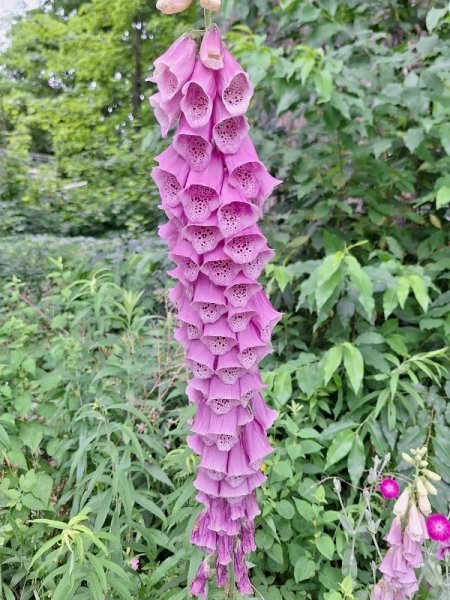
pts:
[213, 187]
[211, 49]
[438, 527]
[389, 488]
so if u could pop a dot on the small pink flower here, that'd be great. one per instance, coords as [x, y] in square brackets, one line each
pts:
[389, 488]
[438, 527]
[134, 564]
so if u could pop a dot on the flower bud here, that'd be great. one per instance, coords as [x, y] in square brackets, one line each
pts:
[421, 489]
[430, 488]
[407, 458]
[423, 463]
[431, 475]
[171, 7]
[424, 505]
[422, 451]
[211, 4]
[401, 505]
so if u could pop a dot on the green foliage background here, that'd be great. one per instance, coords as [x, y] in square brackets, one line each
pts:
[352, 110]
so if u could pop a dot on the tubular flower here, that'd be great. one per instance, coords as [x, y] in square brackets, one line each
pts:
[405, 539]
[213, 188]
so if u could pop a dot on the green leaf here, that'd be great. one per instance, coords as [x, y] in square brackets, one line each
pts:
[356, 460]
[413, 138]
[281, 471]
[443, 196]
[420, 291]
[390, 301]
[304, 569]
[325, 546]
[304, 509]
[285, 509]
[354, 365]
[323, 81]
[333, 359]
[149, 505]
[282, 387]
[362, 283]
[339, 448]
[434, 16]
[403, 287]
[31, 434]
[282, 276]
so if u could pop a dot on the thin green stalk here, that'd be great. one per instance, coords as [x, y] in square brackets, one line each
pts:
[208, 18]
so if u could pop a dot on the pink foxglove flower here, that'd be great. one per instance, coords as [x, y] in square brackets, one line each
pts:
[416, 527]
[438, 527]
[213, 187]
[389, 488]
[401, 505]
[174, 67]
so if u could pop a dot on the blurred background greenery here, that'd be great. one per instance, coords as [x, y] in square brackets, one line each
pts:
[352, 110]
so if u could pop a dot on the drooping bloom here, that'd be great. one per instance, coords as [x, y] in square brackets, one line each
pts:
[438, 527]
[401, 505]
[213, 187]
[389, 488]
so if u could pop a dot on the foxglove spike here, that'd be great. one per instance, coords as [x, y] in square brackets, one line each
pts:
[213, 187]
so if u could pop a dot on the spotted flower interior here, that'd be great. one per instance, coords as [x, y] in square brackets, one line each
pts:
[213, 187]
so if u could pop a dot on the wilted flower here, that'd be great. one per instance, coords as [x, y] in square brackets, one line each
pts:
[198, 586]
[389, 488]
[438, 527]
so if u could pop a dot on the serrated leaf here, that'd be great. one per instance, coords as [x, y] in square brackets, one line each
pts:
[304, 569]
[325, 546]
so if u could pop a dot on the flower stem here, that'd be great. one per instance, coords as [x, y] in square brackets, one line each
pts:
[208, 18]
